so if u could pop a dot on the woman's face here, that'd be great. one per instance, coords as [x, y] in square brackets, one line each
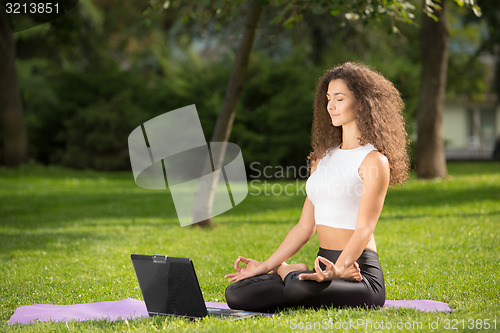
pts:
[340, 104]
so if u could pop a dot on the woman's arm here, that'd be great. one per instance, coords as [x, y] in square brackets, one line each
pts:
[293, 242]
[375, 173]
[296, 237]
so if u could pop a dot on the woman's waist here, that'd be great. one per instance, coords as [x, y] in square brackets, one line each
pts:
[367, 256]
[337, 238]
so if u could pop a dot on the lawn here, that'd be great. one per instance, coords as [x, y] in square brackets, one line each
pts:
[66, 237]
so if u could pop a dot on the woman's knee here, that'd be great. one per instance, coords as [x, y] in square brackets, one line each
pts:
[234, 296]
[298, 291]
[258, 293]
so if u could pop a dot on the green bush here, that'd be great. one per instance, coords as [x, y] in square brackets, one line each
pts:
[82, 119]
[273, 121]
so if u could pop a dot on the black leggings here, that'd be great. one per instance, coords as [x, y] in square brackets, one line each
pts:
[269, 293]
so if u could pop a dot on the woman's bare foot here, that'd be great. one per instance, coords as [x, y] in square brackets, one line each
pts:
[285, 268]
[353, 273]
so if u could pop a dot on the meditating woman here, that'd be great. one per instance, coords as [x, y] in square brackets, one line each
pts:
[358, 148]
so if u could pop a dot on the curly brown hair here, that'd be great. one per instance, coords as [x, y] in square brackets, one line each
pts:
[378, 108]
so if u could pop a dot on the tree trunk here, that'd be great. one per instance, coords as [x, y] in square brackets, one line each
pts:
[225, 119]
[430, 159]
[15, 143]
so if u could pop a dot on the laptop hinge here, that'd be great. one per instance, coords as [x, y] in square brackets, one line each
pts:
[159, 259]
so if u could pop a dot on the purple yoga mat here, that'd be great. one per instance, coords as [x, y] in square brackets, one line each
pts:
[130, 308]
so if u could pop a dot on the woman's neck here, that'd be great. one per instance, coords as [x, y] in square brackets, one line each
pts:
[350, 136]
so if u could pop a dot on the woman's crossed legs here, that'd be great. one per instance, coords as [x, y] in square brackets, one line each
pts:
[271, 292]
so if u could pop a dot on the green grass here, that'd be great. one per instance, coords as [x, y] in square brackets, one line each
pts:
[66, 237]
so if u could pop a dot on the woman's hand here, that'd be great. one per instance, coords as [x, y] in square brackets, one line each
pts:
[252, 268]
[353, 273]
[330, 273]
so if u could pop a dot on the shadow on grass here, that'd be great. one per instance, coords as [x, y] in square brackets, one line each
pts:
[50, 240]
[441, 197]
[424, 216]
[485, 167]
[36, 211]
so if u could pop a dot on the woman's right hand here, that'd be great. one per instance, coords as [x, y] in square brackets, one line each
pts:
[252, 268]
[353, 273]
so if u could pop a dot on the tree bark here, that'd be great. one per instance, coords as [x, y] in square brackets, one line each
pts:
[430, 158]
[15, 143]
[225, 118]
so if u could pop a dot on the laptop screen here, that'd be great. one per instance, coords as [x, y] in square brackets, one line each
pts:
[169, 285]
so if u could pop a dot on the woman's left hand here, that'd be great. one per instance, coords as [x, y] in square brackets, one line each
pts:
[251, 268]
[330, 273]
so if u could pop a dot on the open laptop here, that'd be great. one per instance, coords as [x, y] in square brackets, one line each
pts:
[170, 287]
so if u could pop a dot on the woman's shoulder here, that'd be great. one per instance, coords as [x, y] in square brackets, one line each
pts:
[376, 159]
[375, 164]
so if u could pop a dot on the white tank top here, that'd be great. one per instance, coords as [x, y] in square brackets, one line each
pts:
[335, 187]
